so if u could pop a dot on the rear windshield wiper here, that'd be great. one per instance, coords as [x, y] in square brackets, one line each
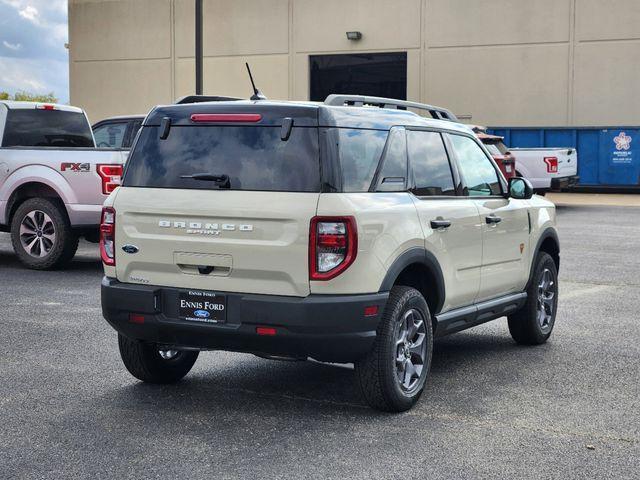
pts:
[221, 180]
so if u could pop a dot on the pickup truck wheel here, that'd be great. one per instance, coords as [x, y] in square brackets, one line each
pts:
[41, 234]
[148, 363]
[392, 376]
[533, 323]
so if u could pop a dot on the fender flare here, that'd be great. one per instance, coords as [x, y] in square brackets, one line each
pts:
[409, 257]
[548, 232]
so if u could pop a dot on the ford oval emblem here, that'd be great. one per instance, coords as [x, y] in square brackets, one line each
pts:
[202, 314]
[130, 248]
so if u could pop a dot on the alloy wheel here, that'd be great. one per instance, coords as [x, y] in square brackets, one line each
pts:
[411, 349]
[37, 233]
[546, 296]
[168, 354]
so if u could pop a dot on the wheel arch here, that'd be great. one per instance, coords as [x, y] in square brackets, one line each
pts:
[30, 178]
[27, 190]
[548, 242]
[418, 268]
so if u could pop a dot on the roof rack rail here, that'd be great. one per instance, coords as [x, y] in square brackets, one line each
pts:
[204, 98]
[438, 113]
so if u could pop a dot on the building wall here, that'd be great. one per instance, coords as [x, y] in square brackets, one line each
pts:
[504, 62]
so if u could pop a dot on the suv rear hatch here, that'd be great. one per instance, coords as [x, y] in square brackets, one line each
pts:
[220, 197]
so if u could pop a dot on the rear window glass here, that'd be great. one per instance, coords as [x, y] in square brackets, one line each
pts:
[46, 128]
[359, 152]
[110, 135]
[493, 149]
[253, 158]
[502, 147]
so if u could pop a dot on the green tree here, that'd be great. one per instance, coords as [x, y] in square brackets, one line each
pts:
[23, 96]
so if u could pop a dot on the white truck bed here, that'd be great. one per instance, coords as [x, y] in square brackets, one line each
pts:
[548, 169]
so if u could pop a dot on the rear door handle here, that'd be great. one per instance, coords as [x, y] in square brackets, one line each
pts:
[493, 219]
[440, 224]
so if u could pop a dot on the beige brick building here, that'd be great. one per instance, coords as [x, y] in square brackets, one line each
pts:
[507, 62]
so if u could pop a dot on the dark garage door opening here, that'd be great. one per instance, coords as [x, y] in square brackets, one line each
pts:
[376, 74]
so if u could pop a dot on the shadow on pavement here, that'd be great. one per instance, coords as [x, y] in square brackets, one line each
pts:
[80, 263]
[253, 386]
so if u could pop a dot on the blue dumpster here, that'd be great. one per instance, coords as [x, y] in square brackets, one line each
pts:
[607, 156]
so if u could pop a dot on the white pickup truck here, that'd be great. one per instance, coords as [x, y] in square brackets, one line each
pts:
[53, 181]
[548, 169]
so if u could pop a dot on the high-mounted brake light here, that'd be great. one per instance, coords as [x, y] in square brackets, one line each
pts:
[108, 236]
[45, 107]
[111, 176]
[226, 117]
[552, 164]
[333, 245]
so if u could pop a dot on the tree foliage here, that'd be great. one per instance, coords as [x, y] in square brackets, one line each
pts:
[23, 96]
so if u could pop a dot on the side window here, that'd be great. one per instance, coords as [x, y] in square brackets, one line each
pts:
[478, 174]
[393, 173]
[110, 135]
[359, 152]
[134, 126]
[430, 164]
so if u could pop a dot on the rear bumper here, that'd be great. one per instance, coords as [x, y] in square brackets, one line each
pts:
[329, 328]
[3, 210]
[564, 182]
[84, 215]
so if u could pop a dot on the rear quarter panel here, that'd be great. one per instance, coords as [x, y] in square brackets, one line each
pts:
[530, 163]
[54, 168]
[388, 225]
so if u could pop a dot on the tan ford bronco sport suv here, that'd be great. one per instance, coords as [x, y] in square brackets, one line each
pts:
[352, 230]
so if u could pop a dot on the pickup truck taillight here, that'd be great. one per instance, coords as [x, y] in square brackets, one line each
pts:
[552, 164]
[108, 236]
[110, 175]
[333, 245]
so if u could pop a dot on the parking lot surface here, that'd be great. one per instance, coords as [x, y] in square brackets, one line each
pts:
[491, 409]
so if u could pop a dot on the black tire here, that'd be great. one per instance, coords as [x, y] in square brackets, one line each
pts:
[65, 242]
[529, 326]
[378, 372]
[144, 362]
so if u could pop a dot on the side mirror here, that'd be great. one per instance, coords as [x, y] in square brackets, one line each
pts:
[520, 188]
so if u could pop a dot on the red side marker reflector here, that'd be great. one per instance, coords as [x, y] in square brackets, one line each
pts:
[226, 117]
[370, 311]
[268, 331]
[136, 318]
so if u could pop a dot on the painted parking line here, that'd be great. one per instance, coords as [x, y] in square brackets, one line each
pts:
[573, 290]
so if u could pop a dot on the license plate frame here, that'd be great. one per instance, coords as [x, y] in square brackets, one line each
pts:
[202, 306]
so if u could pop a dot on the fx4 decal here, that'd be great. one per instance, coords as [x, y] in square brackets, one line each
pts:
[75, 167]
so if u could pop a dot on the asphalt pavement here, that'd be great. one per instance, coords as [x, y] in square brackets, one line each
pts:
[491, 409]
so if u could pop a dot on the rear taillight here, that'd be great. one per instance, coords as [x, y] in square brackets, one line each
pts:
[111, 176]
[552, 164]
[108, 236]
[333, 245]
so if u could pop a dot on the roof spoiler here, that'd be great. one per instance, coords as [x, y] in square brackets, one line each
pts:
[204, 98]
[438, 113]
